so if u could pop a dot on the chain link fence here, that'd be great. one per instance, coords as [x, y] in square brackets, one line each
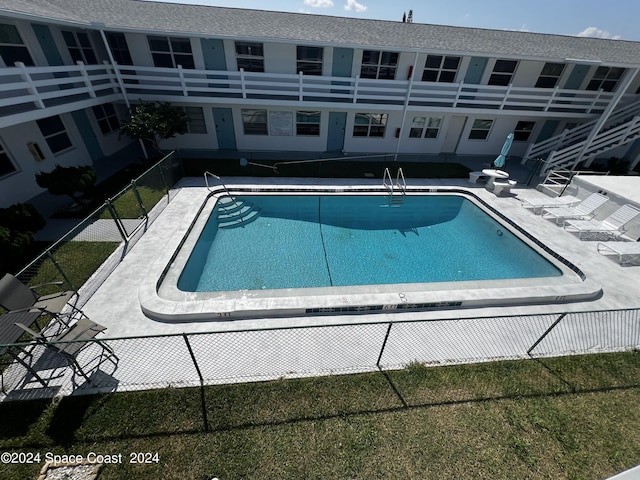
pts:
[89, 248]
[198, 359]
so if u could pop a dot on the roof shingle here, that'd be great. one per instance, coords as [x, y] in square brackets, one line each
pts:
[221, 22]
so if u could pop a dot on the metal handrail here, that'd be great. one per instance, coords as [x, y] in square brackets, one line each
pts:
[401, 186]
[388, 186]
[213, 175]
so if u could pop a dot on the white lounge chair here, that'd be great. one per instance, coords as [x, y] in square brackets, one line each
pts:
[612, 226]
[626, 251]
[583, 210]
[537, 204]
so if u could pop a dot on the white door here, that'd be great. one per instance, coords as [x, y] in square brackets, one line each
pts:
[452, 137]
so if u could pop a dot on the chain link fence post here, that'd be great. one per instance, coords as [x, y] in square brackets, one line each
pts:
[134, 187]
[116, 219]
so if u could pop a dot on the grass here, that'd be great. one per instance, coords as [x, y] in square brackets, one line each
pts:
[127, 206]
[564, 418]
[79, 260]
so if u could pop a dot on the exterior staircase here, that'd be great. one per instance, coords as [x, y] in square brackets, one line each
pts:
[233, 213]
[566, 150]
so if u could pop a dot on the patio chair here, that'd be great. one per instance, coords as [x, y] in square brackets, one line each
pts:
[15, 295]
[626, 251]
[73, 341]
[537, 204]
[612, 226]
[583, 210]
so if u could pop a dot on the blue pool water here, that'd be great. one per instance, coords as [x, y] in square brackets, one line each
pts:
[318, 241]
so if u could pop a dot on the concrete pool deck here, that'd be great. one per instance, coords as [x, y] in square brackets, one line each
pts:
[116, 304]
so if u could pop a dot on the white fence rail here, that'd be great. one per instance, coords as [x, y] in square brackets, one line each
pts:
[570, 137]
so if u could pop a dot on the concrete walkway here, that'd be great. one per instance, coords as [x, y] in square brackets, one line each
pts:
[240, 350]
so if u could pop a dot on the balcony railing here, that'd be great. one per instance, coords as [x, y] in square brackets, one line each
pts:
[29, 89]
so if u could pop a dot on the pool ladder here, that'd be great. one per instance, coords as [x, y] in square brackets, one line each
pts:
[398, 189]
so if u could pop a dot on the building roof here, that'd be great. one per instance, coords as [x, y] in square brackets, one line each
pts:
[221, 22]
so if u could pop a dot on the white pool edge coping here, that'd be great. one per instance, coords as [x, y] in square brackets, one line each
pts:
[187, 306]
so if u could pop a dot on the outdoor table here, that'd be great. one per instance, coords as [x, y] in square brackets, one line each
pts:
[493, 173]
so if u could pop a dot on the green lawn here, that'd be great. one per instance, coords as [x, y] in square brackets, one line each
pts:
[566, 418]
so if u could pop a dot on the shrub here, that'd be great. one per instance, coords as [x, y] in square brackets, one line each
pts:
[68, 180]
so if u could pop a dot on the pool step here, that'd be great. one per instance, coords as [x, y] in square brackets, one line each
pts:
[237, 214]
[396, 200]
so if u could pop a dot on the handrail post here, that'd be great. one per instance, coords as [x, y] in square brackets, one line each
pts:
[32, 86]
[300, 86]
[183, 84]
[116, 219]
[87, 80]
[243, 85]
[134, 187]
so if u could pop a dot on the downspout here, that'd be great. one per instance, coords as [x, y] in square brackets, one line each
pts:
[607, 113]
[116, 69]
[406, 105]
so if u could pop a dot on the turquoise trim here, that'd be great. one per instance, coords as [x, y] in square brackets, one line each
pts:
[47, 44]
[342, 62]
[577, 76]
[475, 70]
[87, 134]
[335, 135]
[223, 121]
[547, 130]
[213, 54]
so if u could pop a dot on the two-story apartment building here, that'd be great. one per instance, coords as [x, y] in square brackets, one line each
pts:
[254, 80]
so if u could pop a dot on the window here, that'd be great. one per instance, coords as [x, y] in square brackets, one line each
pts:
[12, 48]
[309, 60]
[503, 72]
[480, 129]
[308, 123]
[119, 48]
[254, 122]
[605, 78]
[170, 52]
[250, 56]
[439, 68]
[79, 47]
[425, 126]
[107, 118]
[196, 120]
[551, 73]
[6, 165]
[380, 65]
[369, 124]
[523, 130]
[54, 133]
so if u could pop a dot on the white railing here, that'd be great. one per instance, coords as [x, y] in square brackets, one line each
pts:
[581, 132]
[37, 88]
[607, 140]
[28, 89]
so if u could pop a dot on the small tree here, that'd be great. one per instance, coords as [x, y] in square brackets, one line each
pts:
[154, 122]
[68, 180]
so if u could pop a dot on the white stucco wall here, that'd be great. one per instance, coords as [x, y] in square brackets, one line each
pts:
[21, 186]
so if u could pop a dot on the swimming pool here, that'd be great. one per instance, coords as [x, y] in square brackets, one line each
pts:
[295, 241]
[180, 288]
